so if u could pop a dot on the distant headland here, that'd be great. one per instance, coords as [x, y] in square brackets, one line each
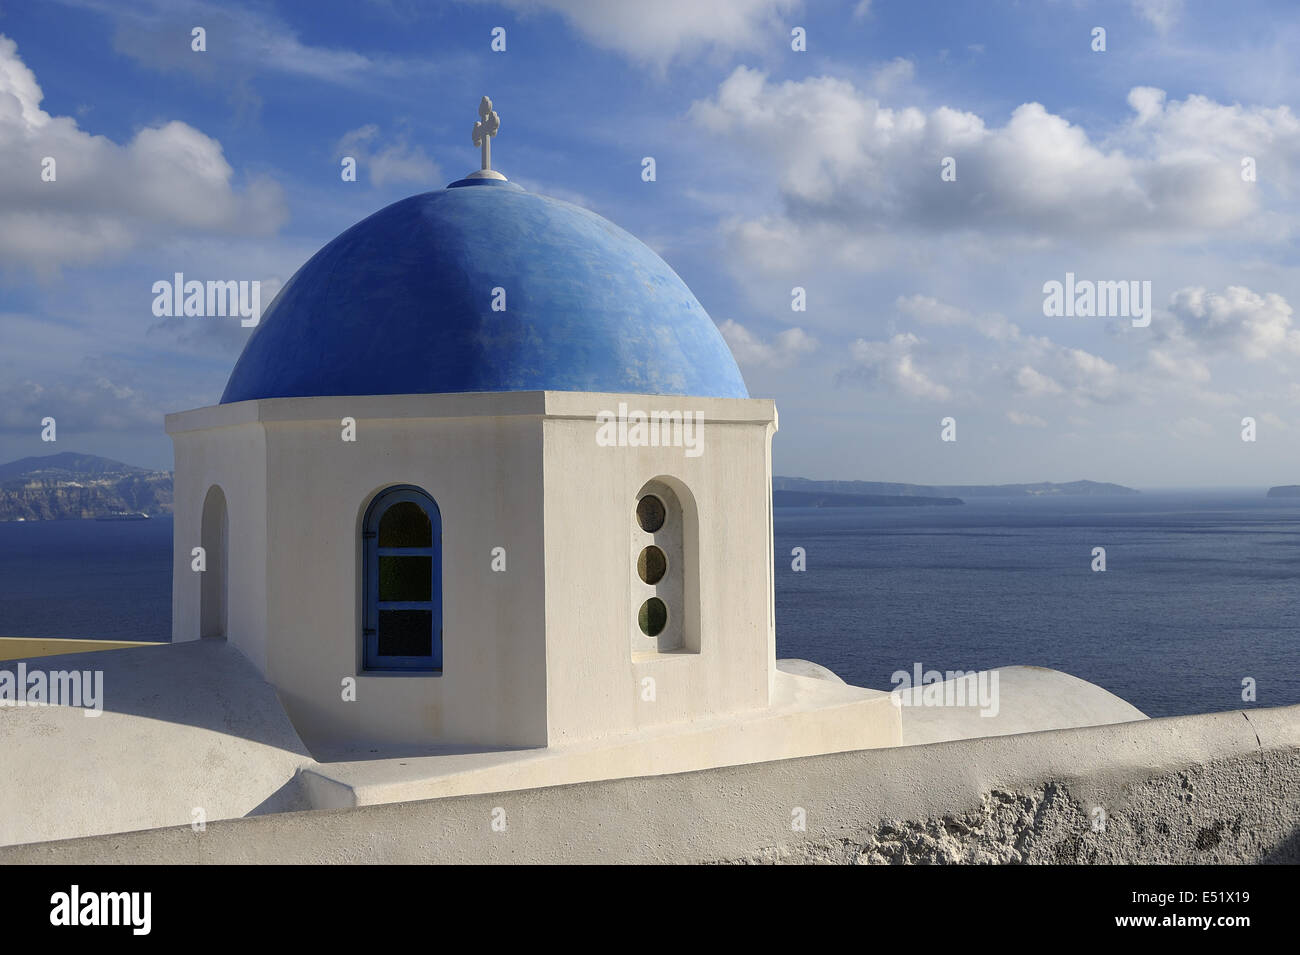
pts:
[71, 486]
[782, 498]
[1284, 490]
[802, 492]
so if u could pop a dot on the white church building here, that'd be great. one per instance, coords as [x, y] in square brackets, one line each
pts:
[486, 476]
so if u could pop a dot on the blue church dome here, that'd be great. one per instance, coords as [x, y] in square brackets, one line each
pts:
[402, 303]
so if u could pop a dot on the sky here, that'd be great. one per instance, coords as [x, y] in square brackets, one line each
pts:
[920, 170]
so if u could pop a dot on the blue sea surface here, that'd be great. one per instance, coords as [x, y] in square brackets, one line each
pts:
[107, 580]
[1201, 590]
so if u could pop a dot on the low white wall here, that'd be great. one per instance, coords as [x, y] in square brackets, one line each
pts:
[1219, 787]
[183, 727]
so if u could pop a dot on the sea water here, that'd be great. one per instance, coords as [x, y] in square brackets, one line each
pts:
[1201, 590]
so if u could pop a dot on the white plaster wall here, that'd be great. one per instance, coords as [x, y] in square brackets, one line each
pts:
[297, 494]
[594, 680]
[233, 457]
[483, 472]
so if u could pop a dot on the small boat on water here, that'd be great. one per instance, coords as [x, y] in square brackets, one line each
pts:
[124, 516]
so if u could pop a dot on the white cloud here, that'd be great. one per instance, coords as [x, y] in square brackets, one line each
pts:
[1182, 368]
[782, 351]
[893, 365]
[840, 156]
[106, 197]
[242, 40]
[896, 73]
[397, 161]
[1035, 384]
[1238, 320]
[1147, 102]
[930, 311]
[1089, 377]
[1034, 366]
[1174, 366]
[81, 405]
[660, 31]
[1161, 14]
[1025, 420]
[1273, 421]
[1190, 427]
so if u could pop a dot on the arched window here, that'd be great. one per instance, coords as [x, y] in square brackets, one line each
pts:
[402, 627]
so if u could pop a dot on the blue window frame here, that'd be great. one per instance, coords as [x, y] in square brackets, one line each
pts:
[402, 624]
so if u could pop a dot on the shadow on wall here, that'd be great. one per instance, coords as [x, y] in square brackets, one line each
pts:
[1286, 852]
[215, 539]
[202, 683]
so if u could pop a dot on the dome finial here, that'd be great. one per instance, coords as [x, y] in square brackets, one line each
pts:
[486, 128]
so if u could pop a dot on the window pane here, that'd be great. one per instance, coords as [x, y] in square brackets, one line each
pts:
[652, 564]
[650, 513]
[405, 633]
[653, 617]
[405, 525]
[405, 578]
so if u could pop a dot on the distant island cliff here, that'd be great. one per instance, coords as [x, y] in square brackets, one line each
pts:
[70, 486]
[1284, 490]
[943, 494]
[826, 499]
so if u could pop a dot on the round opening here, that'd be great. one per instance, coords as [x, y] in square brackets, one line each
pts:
[650, 513]
[652, 564]
[653, 617]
